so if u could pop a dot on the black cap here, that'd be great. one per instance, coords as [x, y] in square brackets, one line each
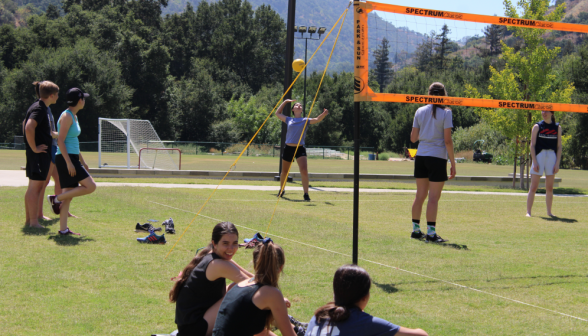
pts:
[74, 95]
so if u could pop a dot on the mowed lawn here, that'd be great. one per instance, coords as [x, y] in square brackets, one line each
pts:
[573, 181]
[106, 283]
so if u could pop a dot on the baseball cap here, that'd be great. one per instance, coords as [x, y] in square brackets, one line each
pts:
[74, 95]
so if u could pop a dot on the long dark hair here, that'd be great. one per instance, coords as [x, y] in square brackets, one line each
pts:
[437, 89]
[552, 116]
[350, 284]
[268, 259]
[218, 232]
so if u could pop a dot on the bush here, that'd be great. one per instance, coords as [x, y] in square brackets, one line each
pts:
[383, 157]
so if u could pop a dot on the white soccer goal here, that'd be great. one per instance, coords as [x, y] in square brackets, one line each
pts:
[120, 141]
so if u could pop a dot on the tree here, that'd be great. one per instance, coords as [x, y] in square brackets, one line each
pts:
[441, 46]
[528, 74]
[424, 53]
[382, 65]
[493, 35]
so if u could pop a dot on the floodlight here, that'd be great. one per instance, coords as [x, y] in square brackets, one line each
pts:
[322, 30]
[295, 28]
[302, 29]
[311, 29]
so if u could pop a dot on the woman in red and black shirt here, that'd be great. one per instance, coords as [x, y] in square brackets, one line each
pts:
[546, 155]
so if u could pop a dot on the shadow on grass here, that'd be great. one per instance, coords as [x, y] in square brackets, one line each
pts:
[69, 240]
[329, 203]
[50, 222]
[569, 191]
[453, 246]
[388, 288]
[560, 219]
[29, 231]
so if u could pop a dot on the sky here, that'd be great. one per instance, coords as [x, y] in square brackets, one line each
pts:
[459, 29]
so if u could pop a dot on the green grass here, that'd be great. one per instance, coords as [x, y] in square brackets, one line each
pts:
[105, 283]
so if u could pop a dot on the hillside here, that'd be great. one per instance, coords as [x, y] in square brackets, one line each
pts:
[575, 7]
[324, 13]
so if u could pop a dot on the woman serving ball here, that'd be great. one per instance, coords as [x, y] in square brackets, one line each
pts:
[295, 128]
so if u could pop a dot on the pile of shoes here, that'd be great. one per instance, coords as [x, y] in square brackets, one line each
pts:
[299, 327]
[152, 238]
[252, 242]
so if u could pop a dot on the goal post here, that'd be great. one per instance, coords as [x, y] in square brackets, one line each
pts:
[150, 155]
[121, 140]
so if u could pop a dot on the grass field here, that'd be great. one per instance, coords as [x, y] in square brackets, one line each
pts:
[105, 283]
[573, 181]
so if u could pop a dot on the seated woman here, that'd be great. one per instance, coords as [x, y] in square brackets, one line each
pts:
[202, 284]
[345, 316]
[251, 306]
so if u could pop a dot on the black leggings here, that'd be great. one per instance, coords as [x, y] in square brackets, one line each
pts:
[195, 329]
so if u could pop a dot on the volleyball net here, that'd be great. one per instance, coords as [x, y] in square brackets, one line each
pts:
[370, 27]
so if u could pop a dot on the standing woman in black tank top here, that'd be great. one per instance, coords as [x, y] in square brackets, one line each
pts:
[251, 306]
[546, 155]
[201, 285]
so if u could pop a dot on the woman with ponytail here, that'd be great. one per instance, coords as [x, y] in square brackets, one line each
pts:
[546, 154]
[345, 315]
[432, 128]
[201, 286]
[252, 305]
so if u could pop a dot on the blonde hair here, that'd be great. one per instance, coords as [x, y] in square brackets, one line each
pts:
[44, 89]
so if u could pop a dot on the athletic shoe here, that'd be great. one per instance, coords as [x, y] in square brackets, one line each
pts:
[169, 226]
[55, 204]
[146, 227]
[436, 239]
[152, 238]
[68, 232]
[417, 235]
[300, 331]
[306, 197]
[282, 193]
[297, 323]
[256, 237]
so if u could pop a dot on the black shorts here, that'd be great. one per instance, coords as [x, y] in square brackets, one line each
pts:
[37, 166]
[433, 168]
[53, 153]
[66, 180]
[288, 154]
[195, 329]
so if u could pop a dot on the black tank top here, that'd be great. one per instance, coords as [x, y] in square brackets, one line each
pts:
[198, 293]
[546, 137]
[238, 315]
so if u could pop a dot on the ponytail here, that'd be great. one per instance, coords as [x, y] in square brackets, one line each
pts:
[350, 284]
[268, 259]
[553, 118]
[186, 272]
[44, 89]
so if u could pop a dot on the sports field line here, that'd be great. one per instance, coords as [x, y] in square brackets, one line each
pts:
[392, 267]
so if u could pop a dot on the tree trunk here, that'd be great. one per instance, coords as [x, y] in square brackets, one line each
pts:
[514, 172]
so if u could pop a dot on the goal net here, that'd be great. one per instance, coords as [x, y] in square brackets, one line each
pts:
[120, 141]
[375, 22]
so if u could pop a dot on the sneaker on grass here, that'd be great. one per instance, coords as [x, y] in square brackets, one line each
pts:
[417, 235]
[436, 239]
[306, 197]
[146, 227]
[68, 232]
[169, 226]
[152, 238]
[54, 203]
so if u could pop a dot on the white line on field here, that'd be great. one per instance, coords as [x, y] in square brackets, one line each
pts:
[392, 267]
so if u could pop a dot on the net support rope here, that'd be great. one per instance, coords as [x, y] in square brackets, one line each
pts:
[258, 130]
[307, 120]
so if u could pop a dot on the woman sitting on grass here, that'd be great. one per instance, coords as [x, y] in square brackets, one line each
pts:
[202, 284]
[251, 306]
[345, 316]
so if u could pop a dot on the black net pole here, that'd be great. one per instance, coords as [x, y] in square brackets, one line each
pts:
[356, 182]
[288, 73]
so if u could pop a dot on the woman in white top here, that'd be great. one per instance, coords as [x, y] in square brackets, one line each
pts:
[432, 128]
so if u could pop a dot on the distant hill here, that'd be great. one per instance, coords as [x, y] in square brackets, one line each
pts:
[325, 13]
[575, 7]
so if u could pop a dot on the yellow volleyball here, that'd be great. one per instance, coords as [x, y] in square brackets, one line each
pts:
[298, 65]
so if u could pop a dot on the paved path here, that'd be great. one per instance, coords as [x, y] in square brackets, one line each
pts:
[17, 178]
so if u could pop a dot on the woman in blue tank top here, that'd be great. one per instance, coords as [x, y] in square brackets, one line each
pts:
[295, 127]
[546, 155]
[73, 173]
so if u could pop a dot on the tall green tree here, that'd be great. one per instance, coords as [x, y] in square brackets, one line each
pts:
[441, 46]
[382, 66]
[493, 35]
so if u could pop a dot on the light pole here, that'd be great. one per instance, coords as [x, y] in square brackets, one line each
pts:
[311, 30]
